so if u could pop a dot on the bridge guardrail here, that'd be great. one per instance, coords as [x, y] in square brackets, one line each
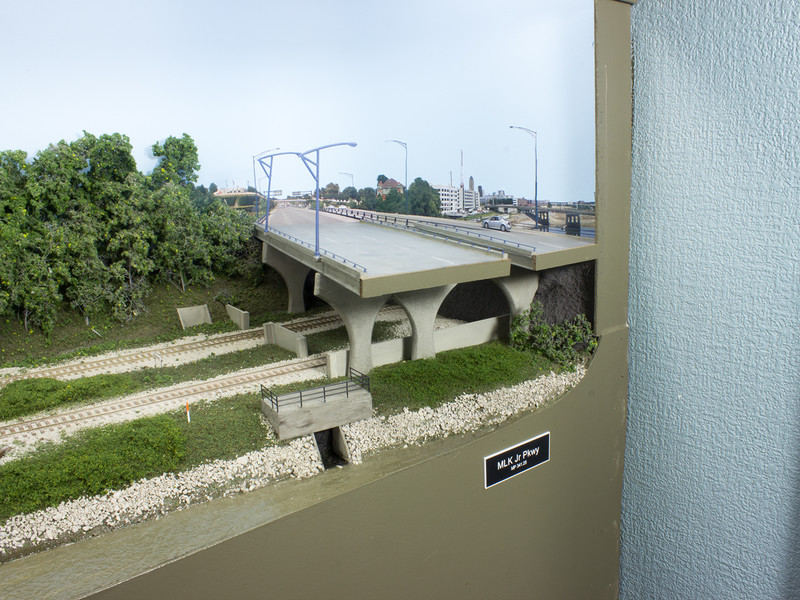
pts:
[328, 253]
[385, 219]
[356, 381]
[397, 222]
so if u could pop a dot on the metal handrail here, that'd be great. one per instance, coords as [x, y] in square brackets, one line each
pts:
[321, 250]
[357, 380]
[384, 220]
[479, 234]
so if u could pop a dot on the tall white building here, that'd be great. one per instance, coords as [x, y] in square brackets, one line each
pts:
[450, 198]
[457, 200]
[470, 199]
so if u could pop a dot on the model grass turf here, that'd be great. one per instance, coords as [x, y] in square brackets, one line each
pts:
[29, 396]
[264, 300]
[433, 381]
[234, 426]
[222, 430]
[91, 462]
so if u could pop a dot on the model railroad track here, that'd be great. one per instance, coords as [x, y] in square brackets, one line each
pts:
[324, 321]
[180, 392]
[98, 364]
[315, 323]
[91, 365]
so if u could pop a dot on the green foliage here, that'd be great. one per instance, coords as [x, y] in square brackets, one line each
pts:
[368, 198]
[431, 382]
[179, 163]
[393, 202]
[29, 396]
[329, 191]
[222, 430]
[91, 462]
[562, 342]
[263, 295]
[80, 224]
[423, 199]
[348, 193]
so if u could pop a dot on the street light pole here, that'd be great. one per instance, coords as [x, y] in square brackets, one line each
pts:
[535, 171]
[266, 166]
[315, 174]
[405, 189]
[255, 182]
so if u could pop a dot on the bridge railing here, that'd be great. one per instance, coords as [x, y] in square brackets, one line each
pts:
[574, 227]
[327, 253]
[404, 223]
[318, 395]
[479, 234]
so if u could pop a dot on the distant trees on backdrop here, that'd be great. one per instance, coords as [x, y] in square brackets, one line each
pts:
[79, 224]
[422, 198]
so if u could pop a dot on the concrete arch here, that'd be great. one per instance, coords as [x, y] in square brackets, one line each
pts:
[474, 301]
[519, 288]
[358, 315]
[292, 272]
[422, 306]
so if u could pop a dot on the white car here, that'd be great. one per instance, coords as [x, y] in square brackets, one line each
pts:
[497, 222]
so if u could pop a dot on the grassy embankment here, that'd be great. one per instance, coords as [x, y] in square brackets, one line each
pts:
[29, 396]
[265, 300]
[112, 457]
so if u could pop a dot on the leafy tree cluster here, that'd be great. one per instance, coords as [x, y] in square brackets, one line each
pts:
[79, 224]
[423, 200]
[560, 342]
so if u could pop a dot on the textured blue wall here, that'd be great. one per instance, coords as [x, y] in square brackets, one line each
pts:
[711, 498]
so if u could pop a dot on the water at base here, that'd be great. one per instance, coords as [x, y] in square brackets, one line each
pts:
[80, 569]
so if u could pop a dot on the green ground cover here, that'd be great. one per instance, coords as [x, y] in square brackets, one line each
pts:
[434, 381]
[91, 462]
[29, 396]
[112, 457]
[264, 299]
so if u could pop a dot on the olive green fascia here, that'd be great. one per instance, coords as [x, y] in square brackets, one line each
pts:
[420, 280]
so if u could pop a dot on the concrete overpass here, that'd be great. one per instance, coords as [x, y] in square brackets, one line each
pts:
[367, 259]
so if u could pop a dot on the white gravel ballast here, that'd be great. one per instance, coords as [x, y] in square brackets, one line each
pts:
[152, 498]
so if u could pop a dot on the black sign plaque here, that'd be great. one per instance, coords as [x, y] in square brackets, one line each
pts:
[515, 460]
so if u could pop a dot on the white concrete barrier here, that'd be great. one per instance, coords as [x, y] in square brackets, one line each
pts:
[191, 316]
[240, 317]
[289, 340]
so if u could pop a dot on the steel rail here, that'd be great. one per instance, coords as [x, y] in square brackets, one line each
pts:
[179, 392]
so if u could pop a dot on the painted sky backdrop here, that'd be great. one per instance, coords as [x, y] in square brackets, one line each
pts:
[242, 77]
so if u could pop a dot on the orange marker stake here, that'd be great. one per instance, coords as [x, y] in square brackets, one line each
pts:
[188, 414]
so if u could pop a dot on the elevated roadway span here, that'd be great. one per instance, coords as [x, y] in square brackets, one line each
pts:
[371, 259]
[526, 247]
[366, 261]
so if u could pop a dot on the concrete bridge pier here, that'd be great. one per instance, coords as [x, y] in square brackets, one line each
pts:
[358, 314]
[422, 306]
[293, 272]
[519, 288]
